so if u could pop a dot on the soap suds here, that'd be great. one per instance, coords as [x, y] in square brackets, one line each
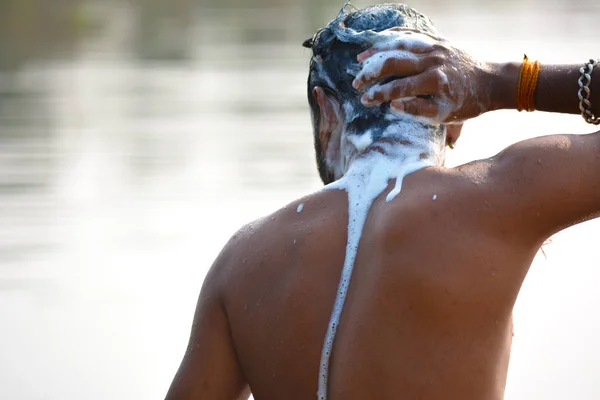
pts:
[373, 65]
[409, 46]
[365, 160]
[398, 44]
[434, 197]
[300, 208]
[361, 142]
[368, 177]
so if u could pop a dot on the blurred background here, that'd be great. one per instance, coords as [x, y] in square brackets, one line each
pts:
[137, 136]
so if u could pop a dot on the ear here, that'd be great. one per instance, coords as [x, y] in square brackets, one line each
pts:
[329, 118]
[452, 134]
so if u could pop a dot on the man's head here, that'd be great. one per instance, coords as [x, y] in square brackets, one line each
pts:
[338, 115]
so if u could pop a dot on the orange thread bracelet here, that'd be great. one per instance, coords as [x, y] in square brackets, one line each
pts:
[530, 72]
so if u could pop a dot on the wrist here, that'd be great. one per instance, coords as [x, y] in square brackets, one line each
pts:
[503, 79]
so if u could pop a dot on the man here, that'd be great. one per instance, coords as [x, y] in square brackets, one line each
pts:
[427, 313]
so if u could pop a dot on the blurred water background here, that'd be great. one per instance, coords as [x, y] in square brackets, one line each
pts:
[137, 136]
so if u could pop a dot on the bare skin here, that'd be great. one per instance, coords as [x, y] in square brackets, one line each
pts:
[450, 77]
[429, 311]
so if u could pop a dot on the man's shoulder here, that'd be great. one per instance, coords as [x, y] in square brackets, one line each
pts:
[270, 231]
[259, 248]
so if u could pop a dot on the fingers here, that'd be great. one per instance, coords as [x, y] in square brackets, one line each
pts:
[430, 111]
[410, 40]
[367, 53]
[387, 64]
[431, 82]
[398, 52]
[424, 108]
[392, 63]
[402, 39]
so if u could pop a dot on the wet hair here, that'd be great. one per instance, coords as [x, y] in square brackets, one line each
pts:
[334, 66]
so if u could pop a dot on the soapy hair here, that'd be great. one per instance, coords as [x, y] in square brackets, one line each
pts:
[334, 66]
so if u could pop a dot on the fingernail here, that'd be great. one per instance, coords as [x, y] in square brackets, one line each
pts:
[355, 83]
[365, 54]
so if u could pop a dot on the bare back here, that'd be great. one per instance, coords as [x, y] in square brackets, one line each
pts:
[428, 313]
[429, 309]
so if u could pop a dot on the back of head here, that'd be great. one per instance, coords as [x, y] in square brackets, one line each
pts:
[334, 66]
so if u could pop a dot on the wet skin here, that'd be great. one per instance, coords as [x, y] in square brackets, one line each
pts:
[438, 270]
[429, 309]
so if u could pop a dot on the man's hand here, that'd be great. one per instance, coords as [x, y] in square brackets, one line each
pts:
[426, 77]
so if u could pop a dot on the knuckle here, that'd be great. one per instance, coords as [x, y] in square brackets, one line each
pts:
[397, 89]
[393, 66]
[378, 97]
[411, 107]
[438, 74]
[441, 79]
[388, 66]
[440, 47]
[375, 94]
[436, 58]
[432, 111]
[402, 44]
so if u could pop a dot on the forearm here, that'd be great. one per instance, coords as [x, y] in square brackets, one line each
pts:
[556, 89]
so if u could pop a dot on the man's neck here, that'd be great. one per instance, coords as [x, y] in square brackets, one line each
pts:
[403, 142]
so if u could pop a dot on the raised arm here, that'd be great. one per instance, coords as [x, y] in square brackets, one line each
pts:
[440, 83]
[556, 89]
[538, 186]
[542, 185]
[210, 368]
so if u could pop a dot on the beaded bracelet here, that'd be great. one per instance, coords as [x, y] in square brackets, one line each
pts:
[585, 93]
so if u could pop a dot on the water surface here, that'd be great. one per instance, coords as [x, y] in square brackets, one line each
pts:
[136, 137]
